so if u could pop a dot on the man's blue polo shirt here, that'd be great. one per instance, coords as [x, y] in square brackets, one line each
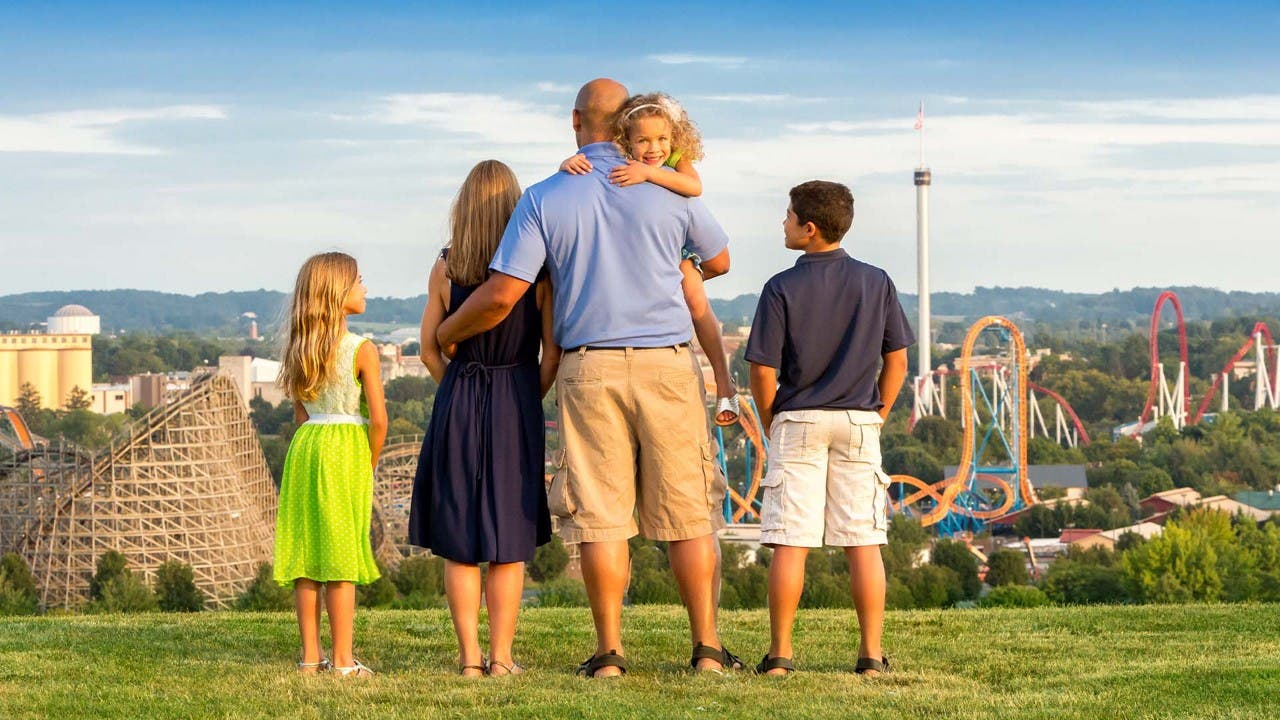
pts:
[613, 254]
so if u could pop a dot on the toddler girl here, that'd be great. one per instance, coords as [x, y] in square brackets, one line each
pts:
[326, 495]
[658, 137]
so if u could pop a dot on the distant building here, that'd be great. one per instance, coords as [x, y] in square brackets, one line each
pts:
[109, 398]
[52, 364]
[1109, 538]
[74, 320]
[1265, 500]
[148, 390]
[395, 364]
[254, 377]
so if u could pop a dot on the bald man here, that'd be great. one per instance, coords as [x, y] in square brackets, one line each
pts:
[637, 455]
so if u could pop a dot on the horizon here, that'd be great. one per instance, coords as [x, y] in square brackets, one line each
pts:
[138, 140]
[972, 291]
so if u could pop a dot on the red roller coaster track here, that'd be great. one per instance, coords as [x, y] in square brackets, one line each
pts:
[1154, 389]
[1258, 329]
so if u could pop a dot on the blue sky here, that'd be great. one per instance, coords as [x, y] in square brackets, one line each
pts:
[214, 147]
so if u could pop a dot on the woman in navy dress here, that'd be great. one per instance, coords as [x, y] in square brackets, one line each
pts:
[479, 494]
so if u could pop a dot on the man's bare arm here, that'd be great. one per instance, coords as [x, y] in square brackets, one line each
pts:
[891, 377]
[716, 266]
[488, 305]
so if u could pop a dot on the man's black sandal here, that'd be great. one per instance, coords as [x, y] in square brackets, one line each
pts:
[774, 663]
[589, 666]
[727, 660]
[867, 664]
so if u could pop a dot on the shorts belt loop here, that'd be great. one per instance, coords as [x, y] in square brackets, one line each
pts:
[629, 352]
[582, 351]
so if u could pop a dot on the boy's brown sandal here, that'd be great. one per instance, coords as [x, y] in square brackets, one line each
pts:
[774, 663]
[866, 665]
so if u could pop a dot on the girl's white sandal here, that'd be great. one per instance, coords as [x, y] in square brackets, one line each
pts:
[357, 670]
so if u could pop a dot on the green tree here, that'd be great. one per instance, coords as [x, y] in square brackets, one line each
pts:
[1072, 582]
[175, 588]
[1181, 565]
[78, 399]
[956, 556]
[29, 401]
[18, 593]
[549, 560]
[379, 593]
[1014, 596]
[114, 588]
[913, 461]
[1007, 567]
[263, 594]
[420, 575]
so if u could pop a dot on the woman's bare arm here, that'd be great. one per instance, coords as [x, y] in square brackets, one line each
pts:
[432, 316]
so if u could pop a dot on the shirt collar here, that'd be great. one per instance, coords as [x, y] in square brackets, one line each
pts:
[837, 254]
[605, 149]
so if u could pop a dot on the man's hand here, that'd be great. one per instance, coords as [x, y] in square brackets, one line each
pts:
[577, 165]
[633, 173]
[487, 306]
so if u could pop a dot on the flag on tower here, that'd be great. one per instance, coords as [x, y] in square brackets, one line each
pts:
[920, 117]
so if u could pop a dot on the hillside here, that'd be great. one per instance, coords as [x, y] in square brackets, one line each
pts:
[142, 310]
[1207, 661]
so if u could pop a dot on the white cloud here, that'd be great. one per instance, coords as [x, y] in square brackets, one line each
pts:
[756, 98]
[90, 131]
[723, 61]
[551, 87]
[489, 118]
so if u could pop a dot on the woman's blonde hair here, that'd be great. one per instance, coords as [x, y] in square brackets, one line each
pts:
[685, 136]
[479, 216]
[316, 311]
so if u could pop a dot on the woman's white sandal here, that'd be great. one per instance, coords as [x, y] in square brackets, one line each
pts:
[727, 404]
[323, 666]
[357, 670]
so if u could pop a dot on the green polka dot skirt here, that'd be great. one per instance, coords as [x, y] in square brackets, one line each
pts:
[326, 506]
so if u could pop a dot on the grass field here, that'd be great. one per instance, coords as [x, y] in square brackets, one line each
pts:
[1098, 662]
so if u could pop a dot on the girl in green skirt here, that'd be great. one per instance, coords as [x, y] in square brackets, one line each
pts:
[326, 494]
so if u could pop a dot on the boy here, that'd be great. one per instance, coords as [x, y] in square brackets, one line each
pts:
[820, 330]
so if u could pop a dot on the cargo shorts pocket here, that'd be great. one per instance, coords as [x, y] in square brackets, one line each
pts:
[793, 436]
[713, 476]
[559, 496]
[880, 500]
[772, 487]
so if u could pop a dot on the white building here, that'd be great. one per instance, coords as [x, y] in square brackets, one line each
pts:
[74, 320]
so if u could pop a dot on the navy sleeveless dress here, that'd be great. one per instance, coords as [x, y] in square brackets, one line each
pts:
[479, 494]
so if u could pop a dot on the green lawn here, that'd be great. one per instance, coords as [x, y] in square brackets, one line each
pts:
[1132, 662]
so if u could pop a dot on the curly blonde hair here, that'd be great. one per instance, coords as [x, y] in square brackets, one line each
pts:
[685, 137]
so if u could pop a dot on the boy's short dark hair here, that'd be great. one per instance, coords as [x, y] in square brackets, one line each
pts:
[828, 205]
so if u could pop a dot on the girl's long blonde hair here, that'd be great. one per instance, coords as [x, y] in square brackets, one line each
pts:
[316, 311]
[685, 136]
[479, 216]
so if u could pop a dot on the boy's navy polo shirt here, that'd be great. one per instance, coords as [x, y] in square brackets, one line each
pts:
[823, 324]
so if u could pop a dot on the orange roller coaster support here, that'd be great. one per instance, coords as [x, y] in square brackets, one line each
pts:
[945, 492]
